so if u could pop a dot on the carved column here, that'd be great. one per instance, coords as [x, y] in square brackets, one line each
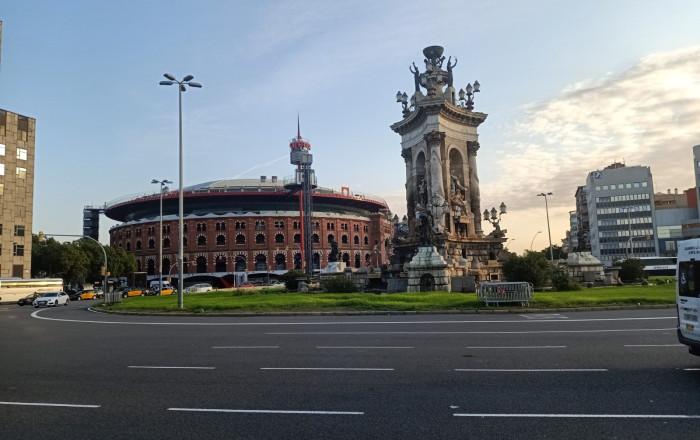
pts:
[472, 148]
[410, 182]
[436, 191]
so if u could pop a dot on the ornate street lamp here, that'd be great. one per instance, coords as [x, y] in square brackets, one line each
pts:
[468, 102]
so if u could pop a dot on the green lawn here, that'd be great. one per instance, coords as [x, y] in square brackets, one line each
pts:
[270, 301]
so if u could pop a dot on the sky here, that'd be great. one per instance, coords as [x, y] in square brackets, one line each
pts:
[569, 87]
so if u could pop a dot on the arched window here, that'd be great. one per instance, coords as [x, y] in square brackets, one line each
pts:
[138, 245]
[202, 264]
[185, 265]
[344, 239]
[240, 239]
[297, 261]
[316, 239]
[331, 238]
[167, 266]
[184, 241]
[220, 264]
[201, 241]
[357, 261]
[357, 239]
[220, 241]
[279, 238]
[297, 238]
[240, 264]
[151, 244]
[260, 239]
[184, 227]
[261, 263]
[317, 261]
[346, 259]
[128, 246]
[280, 262]
[368, 260]
[151, 267]
[366, 240]
[166, 242]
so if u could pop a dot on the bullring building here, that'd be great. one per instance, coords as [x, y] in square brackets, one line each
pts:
[248, 226]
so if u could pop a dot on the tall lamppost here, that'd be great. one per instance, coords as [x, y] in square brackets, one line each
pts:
[160, 234]
[546, 206]
[186, 81]
[508, 242]
[533, 238]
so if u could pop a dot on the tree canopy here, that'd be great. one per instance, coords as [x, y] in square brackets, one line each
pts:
[78, 261]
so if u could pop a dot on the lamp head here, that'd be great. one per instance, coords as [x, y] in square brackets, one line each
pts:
[194, 84]
[494, 214]
[166, 83]
[170, 76]
[155, 181]
[503, 208]
[398, 96]
[188, 78]
[477, 86]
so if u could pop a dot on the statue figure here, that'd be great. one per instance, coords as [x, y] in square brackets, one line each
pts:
[425, 228]
[456, 185]
[422, 194]
[333, 256]
[436, 191]
[450, 78]
[416, 76]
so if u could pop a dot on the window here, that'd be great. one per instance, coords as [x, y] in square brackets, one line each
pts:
[18, 250]
[138, 245]
[644, 184]
[316, 238]
[201, 240]
[220, 240]
[184, 227]
[2, 149]
[21, 154]
[220, 226]
[260, 239]
[2, 189]
[19, 230]
[357, 239]
[297, 238]
[636, 184]
[21, 173]
[344, 239]
[366, 240]
[240, 239]
[2, 169]
[151, 244]
[279, 238]
[166, 242]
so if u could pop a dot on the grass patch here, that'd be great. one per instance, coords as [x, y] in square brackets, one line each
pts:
[271, 301]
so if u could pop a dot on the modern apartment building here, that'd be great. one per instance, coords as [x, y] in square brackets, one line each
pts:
[620, 202]
[16, 193]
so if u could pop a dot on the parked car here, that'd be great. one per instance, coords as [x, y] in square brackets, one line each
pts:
[131, 291]
[89, 294]
[199, 288]
[75, 296]
[51, 299]
[245, 285]
[28, 300]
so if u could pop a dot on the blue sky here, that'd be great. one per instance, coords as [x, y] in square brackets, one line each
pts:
[569, 87]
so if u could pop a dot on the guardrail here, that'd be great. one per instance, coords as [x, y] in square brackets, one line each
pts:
[505, 292]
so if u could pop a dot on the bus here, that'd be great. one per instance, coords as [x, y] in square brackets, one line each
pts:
[14, 289]
[688, 294]
[659, 265]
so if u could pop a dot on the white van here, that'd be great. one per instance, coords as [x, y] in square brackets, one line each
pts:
[688, 294]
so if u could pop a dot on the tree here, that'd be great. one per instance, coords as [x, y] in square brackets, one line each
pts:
[533, 268]
[562, 281]
[557, 251]
[631, 269]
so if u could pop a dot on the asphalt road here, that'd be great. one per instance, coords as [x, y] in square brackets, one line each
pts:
[69, 373]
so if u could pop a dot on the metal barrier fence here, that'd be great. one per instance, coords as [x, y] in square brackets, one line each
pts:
[113, 297]
[505, 292]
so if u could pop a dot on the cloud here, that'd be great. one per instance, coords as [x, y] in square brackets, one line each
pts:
[645, 116]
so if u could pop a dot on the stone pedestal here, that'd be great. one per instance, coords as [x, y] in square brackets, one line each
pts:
[427, 271]
[334, 267]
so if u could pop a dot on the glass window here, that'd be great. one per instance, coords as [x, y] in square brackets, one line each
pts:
[19, 230]
[628, 185]
[2, 149]
[21, 154]
[21, 173]
[636, 184]
[605, 187]
[18, 250]
[597, 188]
[2, 169]
[644, 184]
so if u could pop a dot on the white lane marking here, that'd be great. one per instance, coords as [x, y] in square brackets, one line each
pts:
[587, 416]
[271, 411]
[361, 347]
[35, 314]
[539, 370]
[328, 369]
[691, 369]
[66, 405]
[544, 316]
[523, 347]
[153, 367]
[636, 330]
[248, 346]
[655, 345]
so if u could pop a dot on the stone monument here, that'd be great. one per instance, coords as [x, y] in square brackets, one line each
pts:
[439, 145]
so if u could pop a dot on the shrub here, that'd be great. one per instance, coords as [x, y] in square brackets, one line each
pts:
[631, 269]
[532, 268]
[339, 284]
[562, 281]
[290, 279]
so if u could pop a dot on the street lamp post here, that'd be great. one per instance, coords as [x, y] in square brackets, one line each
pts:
[508, 242]
[186, 81]
[549, 232]
[160, 234]
[533, 238]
